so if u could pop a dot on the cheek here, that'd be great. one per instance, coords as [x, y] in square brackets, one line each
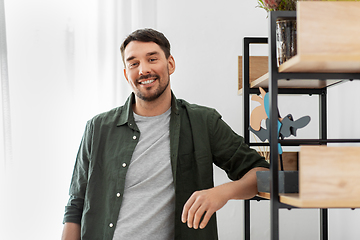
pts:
[131, 77]
[164, 70]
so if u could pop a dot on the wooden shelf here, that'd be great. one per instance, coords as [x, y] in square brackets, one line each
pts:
[327, 63]
[258, 66]
[328, 178]
[323, 45]
[263, 82]
[293, 199]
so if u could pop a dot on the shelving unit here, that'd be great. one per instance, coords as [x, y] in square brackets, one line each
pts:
[293, 77]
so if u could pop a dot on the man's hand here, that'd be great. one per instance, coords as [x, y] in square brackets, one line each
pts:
[202, 202]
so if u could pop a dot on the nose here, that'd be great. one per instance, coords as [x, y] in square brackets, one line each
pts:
[144, 69]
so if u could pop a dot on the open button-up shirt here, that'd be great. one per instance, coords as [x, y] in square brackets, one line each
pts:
[199, 138]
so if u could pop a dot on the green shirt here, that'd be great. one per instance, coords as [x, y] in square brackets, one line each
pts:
[198, 138]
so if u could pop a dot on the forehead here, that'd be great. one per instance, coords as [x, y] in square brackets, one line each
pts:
[136, 49]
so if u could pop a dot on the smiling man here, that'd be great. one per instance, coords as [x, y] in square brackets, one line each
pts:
[145, 170]
[148, 70]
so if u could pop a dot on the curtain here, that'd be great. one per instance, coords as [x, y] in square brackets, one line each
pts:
[64, 67]
[5, 132]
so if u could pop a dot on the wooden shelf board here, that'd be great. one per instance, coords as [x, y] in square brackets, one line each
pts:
[322, 63]
[311, 64]
[295, 200]
[321, 46]
[263, 82]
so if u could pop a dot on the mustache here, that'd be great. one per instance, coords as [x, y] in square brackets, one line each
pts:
[148, 76]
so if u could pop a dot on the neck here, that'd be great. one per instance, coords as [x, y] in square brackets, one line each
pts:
[153, 108]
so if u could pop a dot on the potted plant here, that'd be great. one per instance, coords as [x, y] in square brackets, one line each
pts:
[277, 5]
[285, 28]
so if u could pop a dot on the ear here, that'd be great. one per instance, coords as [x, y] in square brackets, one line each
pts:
[171, 64]
[125, 74]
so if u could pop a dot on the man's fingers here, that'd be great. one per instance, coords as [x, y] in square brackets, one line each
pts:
[184, 214]
[191, 213]
[200, 207]
[197, 217]
[186, 208]
[206, 219]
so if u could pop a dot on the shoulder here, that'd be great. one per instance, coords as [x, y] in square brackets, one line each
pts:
[195, 108]
[109, 117]
[198, 114]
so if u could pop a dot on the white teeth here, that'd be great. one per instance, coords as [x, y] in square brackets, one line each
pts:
[147, 82]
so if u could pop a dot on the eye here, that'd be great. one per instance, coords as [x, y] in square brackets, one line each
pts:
[152, 59]
[132, 65]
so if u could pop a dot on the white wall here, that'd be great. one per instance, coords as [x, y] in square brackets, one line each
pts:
[64, 67]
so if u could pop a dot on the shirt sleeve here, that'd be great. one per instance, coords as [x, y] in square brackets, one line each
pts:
[74, 207]
[230, 151]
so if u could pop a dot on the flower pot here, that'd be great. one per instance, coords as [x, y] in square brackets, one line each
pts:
[285, 40]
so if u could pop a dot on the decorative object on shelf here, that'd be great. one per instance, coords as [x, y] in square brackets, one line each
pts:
[286, 126]
[285, 28]
[288, 180]
[285, 40]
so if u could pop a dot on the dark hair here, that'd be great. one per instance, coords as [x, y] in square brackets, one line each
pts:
[147, 35]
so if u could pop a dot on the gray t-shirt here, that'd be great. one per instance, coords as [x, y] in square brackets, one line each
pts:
[148, 207]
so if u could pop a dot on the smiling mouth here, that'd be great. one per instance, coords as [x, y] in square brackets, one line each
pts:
[147, 81]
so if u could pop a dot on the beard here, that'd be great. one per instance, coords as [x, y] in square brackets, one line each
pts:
[158, 91]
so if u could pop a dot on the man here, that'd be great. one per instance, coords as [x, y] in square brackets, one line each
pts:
[144, 170]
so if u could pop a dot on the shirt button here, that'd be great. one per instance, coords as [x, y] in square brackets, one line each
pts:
[134, 137]
[111, 225]
[124, 164]
[118, 194]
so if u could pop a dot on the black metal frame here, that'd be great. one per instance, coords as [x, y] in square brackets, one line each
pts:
[274, 76]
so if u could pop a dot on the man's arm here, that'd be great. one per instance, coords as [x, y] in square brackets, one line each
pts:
[71, 231]
[74, 208]
[209, 201]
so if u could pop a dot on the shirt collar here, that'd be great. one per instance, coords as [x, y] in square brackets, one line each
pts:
[174, 106]
[127, 115]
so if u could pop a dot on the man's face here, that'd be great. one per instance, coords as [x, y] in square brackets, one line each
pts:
[147, 69]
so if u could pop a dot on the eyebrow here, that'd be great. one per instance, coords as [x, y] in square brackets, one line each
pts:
[152, 53]
[130, 58]
[148, 54]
